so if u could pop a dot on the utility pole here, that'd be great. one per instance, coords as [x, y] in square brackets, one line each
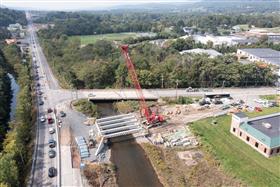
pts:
[223, 86]
[177, 82]
[161, 81]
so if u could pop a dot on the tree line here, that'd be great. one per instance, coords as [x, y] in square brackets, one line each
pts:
[5, 98]
[101, 65]
[15, 157]
[75, 23]
[9, 16]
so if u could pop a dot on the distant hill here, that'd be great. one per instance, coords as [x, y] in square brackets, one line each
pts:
[246, 6]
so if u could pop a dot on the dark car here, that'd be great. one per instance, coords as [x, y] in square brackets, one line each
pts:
[217, 101]
[41, 102]
[50, 120]
[52, 153]
[40, 92]
[52, 172]
[52, 143]
[62, 114]
[50, 110]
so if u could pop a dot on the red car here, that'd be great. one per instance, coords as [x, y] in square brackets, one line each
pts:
[258, 109]
[50, 120]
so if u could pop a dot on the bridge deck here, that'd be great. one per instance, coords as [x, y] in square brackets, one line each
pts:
[115, 95]
[115, 126]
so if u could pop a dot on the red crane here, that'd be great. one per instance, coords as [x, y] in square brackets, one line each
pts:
[152, 118]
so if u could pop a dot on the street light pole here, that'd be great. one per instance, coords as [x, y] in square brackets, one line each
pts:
[223, 86]
[161, 81]
[177, 82]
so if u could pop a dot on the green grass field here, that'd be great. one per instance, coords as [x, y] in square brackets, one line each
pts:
[90, 39]
[246, 27]
[235, 156]
[270, 97]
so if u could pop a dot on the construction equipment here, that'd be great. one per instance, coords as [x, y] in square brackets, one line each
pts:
[152, 118]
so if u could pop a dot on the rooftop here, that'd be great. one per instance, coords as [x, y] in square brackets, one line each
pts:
[273, 121]
[267, 54]
[264, 128]
[263, 52]
[210, 52]
[241, 115]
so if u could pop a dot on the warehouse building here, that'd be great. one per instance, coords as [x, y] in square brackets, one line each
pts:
[261, 133]
[210, 52]
[265, 55]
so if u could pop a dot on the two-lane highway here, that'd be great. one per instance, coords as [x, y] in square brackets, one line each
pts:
[40, 175]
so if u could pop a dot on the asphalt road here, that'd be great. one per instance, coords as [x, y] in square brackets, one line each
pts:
[42, 162]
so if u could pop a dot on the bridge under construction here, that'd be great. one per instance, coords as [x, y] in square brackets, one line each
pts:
[115, 126]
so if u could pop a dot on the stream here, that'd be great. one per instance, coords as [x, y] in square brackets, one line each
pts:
[133, 167]
[15, 89]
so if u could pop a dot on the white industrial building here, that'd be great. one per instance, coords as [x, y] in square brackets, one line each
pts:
[265, 55]
[14, 27]
[210, 52]
[219, 40]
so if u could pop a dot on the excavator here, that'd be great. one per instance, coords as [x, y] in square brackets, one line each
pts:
[152, 119]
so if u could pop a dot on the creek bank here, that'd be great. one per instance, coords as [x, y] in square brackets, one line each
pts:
[133, 168]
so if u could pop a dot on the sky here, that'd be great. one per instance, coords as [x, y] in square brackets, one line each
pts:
[77, 4]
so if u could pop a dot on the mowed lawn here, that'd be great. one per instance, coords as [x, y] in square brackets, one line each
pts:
[236, 157]
[90, 39]
[273, 29]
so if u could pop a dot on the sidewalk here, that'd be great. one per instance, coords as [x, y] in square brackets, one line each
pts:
[69, 176]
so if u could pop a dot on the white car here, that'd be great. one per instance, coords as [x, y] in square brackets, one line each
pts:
[51, 130]
[42, 119]
[260, 101]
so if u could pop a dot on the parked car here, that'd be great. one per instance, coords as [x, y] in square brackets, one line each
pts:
[59, 121]
[190, 89]
[269, 104]
[241, 101]
[234, 104]
[52, 143]
[40, 92]
[217, 101]
[206, 90]
[62, 114]
[260, 101]
[258, 109]
[91, 95]
[50, 120]
[52, 153]
[51, 130]
[42, 119]
[225, 107]
[41, 102]
[49, 110]
[52, 172]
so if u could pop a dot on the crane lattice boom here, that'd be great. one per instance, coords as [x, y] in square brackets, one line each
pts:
[133, 76]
